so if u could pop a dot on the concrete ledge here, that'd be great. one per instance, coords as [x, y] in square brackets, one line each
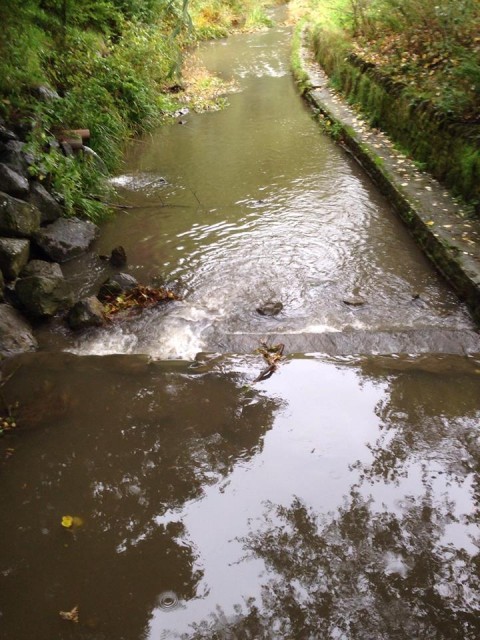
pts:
[437, 222]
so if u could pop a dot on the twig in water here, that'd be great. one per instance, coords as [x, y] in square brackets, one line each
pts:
[272, 355]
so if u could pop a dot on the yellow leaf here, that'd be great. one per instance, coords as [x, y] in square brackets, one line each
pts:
[67, 522]
[430, 223]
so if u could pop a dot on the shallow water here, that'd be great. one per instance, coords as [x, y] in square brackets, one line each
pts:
[176, 470]
[254, 204]
[337, 499]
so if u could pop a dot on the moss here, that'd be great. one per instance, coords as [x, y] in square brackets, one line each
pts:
[299, 73]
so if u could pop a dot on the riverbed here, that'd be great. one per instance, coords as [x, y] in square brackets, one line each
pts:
[336, 499]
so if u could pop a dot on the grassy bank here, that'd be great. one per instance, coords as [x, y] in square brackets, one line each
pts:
[115, 66]
[414, 68]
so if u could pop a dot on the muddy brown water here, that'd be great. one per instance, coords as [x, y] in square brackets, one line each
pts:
[337, 499]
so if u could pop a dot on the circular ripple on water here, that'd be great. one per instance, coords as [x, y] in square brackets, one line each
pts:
[168, 601]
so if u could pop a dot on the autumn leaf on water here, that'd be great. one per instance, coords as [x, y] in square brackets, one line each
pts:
[71, 616]
[71, 522]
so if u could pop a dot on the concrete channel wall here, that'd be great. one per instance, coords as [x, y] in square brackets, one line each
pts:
[439, 224]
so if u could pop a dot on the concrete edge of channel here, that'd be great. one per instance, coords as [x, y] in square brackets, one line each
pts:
[435, 219]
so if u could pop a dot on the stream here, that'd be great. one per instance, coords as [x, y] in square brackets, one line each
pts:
[339, 498]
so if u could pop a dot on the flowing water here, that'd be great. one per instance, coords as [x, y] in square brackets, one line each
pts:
[337, 499]
[254, 205]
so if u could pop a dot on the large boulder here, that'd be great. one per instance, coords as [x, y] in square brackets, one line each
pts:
[14, 254]
[18, 219]
[50, 209]
[66, 238]
[42, 290]
[15, 332]
[86, 313]
[12, 182]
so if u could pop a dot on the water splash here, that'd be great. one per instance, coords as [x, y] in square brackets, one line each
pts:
[168, 601]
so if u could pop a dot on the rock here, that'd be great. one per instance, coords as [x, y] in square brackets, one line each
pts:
[270, 309]
[42, 268]
[66, 238]
[15, 332]
[354, 301]
[118, 257]
[2, 286]
[12, 182]
[45, 93]
[42, 290]
[13, 154]
[116, 285]
[14, 254]
[18, 219]
[50, 209]
[86, 313]
[6, 135]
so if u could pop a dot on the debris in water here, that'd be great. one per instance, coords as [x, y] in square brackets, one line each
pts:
[272, 355]
[71, 616]
[118, 257]
[71, 522]
[270, 308]
[138, 298]
[8, 421]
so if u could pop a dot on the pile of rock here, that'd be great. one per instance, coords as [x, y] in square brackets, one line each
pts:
[34, 239]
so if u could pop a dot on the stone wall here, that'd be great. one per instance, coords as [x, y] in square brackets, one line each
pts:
[448, 149]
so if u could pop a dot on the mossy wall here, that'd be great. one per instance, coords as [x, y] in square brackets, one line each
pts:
[449, 150]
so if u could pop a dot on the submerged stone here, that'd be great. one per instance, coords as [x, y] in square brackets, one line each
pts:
[117, 284]
[86, 313]
[118, 257]
[354, 301]
[270, 309]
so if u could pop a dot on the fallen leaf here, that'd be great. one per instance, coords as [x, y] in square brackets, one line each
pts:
[71, 616]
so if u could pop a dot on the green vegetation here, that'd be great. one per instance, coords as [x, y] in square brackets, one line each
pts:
[414, 68]
[432, 47]
[217, 18]
[301, 76]
[115, 65]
